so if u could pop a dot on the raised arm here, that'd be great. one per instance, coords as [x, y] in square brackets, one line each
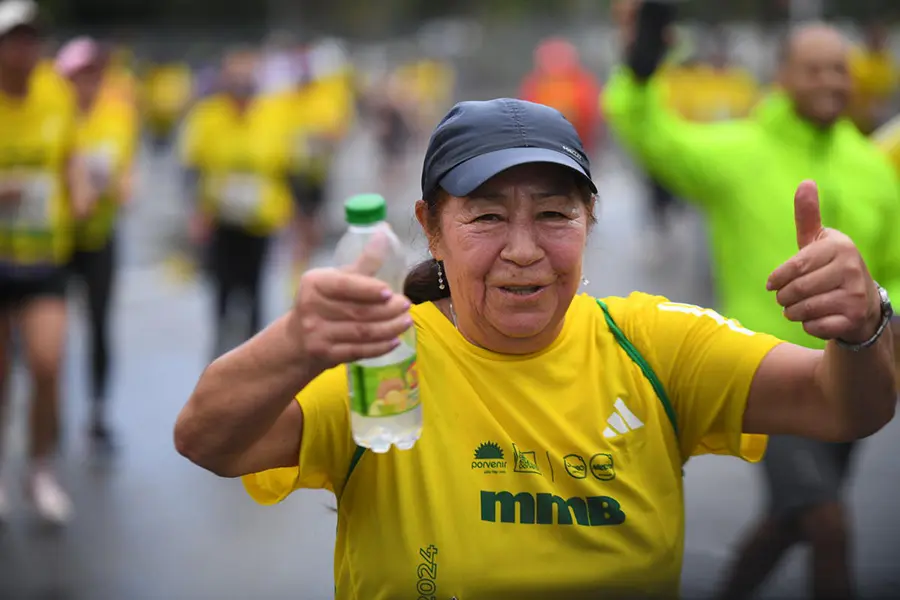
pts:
[693, 160]
[241, 418]
[725, 381]
[840, 394]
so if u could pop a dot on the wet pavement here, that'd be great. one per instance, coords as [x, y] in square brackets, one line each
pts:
[151, 526]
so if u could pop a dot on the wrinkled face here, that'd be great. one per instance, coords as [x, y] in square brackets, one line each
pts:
[816, 75]
[512, 254]
[20, 51]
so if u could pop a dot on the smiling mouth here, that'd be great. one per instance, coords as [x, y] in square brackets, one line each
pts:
[522, 290]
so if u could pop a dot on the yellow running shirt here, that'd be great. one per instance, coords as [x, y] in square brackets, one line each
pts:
[887, 138]
[551, 475]
[106, 140]
[243, 162]
[37, 135]
[316, 117]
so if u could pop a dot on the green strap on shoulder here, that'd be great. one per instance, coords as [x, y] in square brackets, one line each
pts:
[645, 367]
[632, 353]
[357, 455]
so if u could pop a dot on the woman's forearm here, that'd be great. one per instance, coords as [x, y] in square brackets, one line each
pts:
[80, 188]
[240, 396]
[859, 386]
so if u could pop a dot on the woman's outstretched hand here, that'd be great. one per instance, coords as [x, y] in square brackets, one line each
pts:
[345, 314]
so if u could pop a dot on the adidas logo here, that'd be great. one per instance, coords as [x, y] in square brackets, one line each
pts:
[621, 421]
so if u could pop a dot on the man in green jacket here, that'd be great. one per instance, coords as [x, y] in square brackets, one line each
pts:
[743, 174]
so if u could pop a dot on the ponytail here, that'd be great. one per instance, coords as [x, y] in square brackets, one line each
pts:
[422, 285]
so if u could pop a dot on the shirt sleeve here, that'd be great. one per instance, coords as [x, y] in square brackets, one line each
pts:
[706, 364]
[275, 137]
[326, 447]
[191, 140]
[694, 160]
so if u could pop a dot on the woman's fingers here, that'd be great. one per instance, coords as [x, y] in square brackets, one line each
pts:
[818, 307]
[358, 311]
[346, 316]
[346, 353]
[337, 285]
[372, 332]
[818, 282]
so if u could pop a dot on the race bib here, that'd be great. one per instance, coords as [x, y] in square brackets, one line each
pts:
[101, 162]
[240, 198]
[33, 210]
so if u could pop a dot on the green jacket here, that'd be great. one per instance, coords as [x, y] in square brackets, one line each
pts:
[743, 175]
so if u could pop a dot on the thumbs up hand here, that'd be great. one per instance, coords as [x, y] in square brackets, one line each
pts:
[345, 314]
[826, 285]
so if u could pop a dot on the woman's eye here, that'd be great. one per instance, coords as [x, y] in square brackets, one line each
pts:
[487, 218]
[552, 214]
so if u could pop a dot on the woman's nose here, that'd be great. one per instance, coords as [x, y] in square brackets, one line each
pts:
[521, 246]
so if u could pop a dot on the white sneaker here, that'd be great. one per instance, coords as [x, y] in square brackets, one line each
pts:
[50, 500]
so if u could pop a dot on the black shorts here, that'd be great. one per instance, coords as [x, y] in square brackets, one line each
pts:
[18, 290]
[309, 195]
[803, 473]
[235, 257]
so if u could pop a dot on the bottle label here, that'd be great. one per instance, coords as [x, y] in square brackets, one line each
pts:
[384, 391]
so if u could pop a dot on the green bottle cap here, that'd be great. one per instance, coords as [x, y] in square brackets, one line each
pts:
[365, 209]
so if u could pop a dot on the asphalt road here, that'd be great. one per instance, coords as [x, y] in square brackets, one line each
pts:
[150, 526]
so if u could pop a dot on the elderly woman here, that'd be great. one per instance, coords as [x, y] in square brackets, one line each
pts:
[555, 425]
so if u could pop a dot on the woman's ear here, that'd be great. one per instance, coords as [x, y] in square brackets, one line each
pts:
[422, 218]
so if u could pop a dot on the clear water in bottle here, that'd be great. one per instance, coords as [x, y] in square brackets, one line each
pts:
[385, 408]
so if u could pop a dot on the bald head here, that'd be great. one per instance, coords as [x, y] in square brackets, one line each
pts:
[814, 72]
[812, 38]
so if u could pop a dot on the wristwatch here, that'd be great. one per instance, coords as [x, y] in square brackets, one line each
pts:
[887, 313]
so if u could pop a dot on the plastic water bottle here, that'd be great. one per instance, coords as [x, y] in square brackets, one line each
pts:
[385, 408]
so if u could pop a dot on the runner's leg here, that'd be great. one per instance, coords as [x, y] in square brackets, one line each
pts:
[256, 259]
[826, 527]
[308, 197]
[98, 279]
[758, 556]
[224, 257]
[5, 363]
[42, 321]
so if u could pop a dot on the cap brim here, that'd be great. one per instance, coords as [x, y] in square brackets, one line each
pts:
[467, 177]
[26, 26]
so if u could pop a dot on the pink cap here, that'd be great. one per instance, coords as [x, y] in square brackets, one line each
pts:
[76, 55]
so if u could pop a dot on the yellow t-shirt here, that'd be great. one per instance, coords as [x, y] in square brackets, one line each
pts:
[887, 138]
[167, 92]
[38, 134]
[704, 94]
[431, 83]
[316, 117]
[874, 81]
[106, 140]
[556, 474]
[243, 162]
